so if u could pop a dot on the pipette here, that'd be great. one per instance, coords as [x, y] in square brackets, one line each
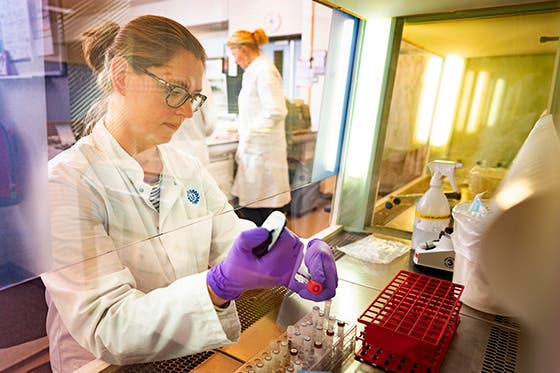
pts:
[311, 285]
[274, 223]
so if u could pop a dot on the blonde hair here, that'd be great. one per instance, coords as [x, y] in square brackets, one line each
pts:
[252, 40]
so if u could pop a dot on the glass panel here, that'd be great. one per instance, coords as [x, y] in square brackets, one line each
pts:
[24, 251]
[462, 97]
[47, 91]
[342, 44]
[118, 221]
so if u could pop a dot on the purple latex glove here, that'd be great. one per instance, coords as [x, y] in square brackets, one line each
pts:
[241, 270]
[319, 259]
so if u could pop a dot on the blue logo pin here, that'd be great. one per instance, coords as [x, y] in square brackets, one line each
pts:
[193, 196]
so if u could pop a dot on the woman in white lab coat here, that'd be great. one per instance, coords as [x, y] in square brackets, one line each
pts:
[136, 223]
[262, 180]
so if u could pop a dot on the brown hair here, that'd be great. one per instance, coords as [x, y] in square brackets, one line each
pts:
[144, 42]
[251, 39]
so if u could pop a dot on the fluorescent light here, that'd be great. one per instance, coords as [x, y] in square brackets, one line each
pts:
[496, 104]
[339, 78]
[447, 100]
[367, 94]
[479, 94]
[465, 101]
[430, 82]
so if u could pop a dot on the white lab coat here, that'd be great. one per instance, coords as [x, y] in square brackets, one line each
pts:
[262, 178]
[122, 296]
[191, 136]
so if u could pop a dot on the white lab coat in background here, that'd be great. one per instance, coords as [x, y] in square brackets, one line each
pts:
[261, 155]
[191, 136]
[123, 297]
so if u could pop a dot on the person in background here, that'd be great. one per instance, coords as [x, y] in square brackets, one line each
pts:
[191, 136]
[135, 223]
[262, 181]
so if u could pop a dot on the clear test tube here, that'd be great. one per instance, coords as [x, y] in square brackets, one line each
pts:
[307, 346]
[329, 339]
[321, 320]
[250, 369]
[267, 361]
[259, 366]
[293, 355]
[290, 331]
[318, 350]
[302, 327]
[297, 340]
[284, 352]
[327, 308]
[298, 365]
[272, 344]
[340, 326]
[315, 315]
[284, 348]
[306, 327]
[318, 335]
[330, 322]
[309, 329]
[276, 360]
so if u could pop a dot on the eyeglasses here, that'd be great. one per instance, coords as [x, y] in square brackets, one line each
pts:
[177, 95]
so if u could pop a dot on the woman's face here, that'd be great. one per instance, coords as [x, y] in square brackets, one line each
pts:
[241, 55]
[149, 119]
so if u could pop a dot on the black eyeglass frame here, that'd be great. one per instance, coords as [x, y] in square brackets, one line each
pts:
[197, 98]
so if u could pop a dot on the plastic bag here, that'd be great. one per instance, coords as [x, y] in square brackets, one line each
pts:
[468, 227]
[375, 250]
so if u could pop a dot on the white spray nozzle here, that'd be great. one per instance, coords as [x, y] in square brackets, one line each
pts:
[443, 168]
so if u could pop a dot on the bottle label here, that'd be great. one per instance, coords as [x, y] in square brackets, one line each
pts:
[432, 217]
[431, 225]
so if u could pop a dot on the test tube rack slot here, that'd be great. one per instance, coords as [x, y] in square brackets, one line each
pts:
[410, 325]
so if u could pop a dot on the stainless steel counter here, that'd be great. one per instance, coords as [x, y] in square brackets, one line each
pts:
[482, 343]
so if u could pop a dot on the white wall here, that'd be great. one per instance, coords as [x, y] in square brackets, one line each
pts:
[251, 14]
[240, 14]
[213, 42]
[186, 12]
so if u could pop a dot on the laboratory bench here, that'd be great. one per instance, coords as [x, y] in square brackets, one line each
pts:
[482, 342]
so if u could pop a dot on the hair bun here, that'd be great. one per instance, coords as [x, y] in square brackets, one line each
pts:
[96, 42]
[260, 36]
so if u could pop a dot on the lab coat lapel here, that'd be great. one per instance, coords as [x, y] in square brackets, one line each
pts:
[170, 195]
[185, 239]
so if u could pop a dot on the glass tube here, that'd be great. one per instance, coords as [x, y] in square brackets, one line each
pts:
[327, 308]
[330, 323]
[321, 320]
[276, 359]
[340, 325]
[297, 340]
[318, 336]
[315, 315]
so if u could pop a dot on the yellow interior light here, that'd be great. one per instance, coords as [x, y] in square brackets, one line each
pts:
[478, 99]
[430, 82]
[496, 102]
[451, 77]
[466, 96]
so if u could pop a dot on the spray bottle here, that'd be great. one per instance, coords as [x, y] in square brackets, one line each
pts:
[433, 212]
